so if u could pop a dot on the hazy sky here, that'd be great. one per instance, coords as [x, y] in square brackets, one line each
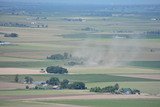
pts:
[112, 2]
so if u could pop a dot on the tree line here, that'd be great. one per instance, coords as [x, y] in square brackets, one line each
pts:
[65, 84]
[60, 56]
[115, 90]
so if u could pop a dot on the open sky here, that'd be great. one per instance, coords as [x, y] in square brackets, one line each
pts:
[107, 2]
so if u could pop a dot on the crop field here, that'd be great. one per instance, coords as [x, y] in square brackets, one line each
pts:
[105, 45]
[24, 104]
[93, 80]
[41, 92]
[80, 77]
[112, 103]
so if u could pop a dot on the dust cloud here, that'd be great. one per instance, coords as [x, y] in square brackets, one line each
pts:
[115, 52]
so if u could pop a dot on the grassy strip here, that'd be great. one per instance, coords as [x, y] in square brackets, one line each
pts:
[112, 103]
[41, 92]
[79, 77]
[146, 64]
[29, 64]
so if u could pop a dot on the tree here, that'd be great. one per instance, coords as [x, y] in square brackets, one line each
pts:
[27, 87]
[109, 89]
[53, 81]
[36, 87]
[63, 56]
[56, 57]
[135, 91]
[96, 89]
[17, 78]
[31, 80]
[116, 86]
[11, 35]
[64, 84]
[66, 55]
[28, 80]
[56, 70]
[77, 85]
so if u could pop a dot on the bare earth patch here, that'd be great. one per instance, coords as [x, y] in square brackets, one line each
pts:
[99, 96]
[6, 85]
[13, 71]
[78, 96]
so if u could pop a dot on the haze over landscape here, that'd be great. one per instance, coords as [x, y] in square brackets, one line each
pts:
[104, 2]
[79, 53]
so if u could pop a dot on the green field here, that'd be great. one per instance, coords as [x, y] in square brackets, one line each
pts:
[112, 103]
[41, 92]
[23, 103]
[108, 41]
[146, 64]
[90, 103]
[91, 80]
[80, 77]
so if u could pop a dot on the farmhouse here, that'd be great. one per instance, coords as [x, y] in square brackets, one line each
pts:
[4, 43]
[56, 87]
[126, 91]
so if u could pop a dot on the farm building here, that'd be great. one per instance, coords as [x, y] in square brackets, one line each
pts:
[4, 43]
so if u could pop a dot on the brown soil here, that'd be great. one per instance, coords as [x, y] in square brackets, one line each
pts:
[78, 96]
[6, 85]
[11, 71]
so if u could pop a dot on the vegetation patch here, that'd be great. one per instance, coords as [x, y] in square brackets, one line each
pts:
[11, 35]
[56, 70]
[146, 64]
[111, 103]
[87, 78]
[115, 90]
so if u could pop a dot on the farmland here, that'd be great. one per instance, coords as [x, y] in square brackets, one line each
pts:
[111, 103]
[107, 44]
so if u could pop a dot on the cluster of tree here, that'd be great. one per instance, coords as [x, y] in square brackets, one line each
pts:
[115, 90]
[89, 29]
[129, 91]
[40, 26]
[40, 18]
[152, 34]
[11, 35]
[108, 89]
[56, 70]
[60, 56]
[73, 63]
[65, 84]
[41, 87]
[53, 81]
[99, 13]
[13, 24]
[74, 19]
[25, 25]
[77, 85]
[27, 79]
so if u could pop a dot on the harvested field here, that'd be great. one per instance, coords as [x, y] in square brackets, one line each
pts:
[13, 71]
[8, 86]
[78, 96]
